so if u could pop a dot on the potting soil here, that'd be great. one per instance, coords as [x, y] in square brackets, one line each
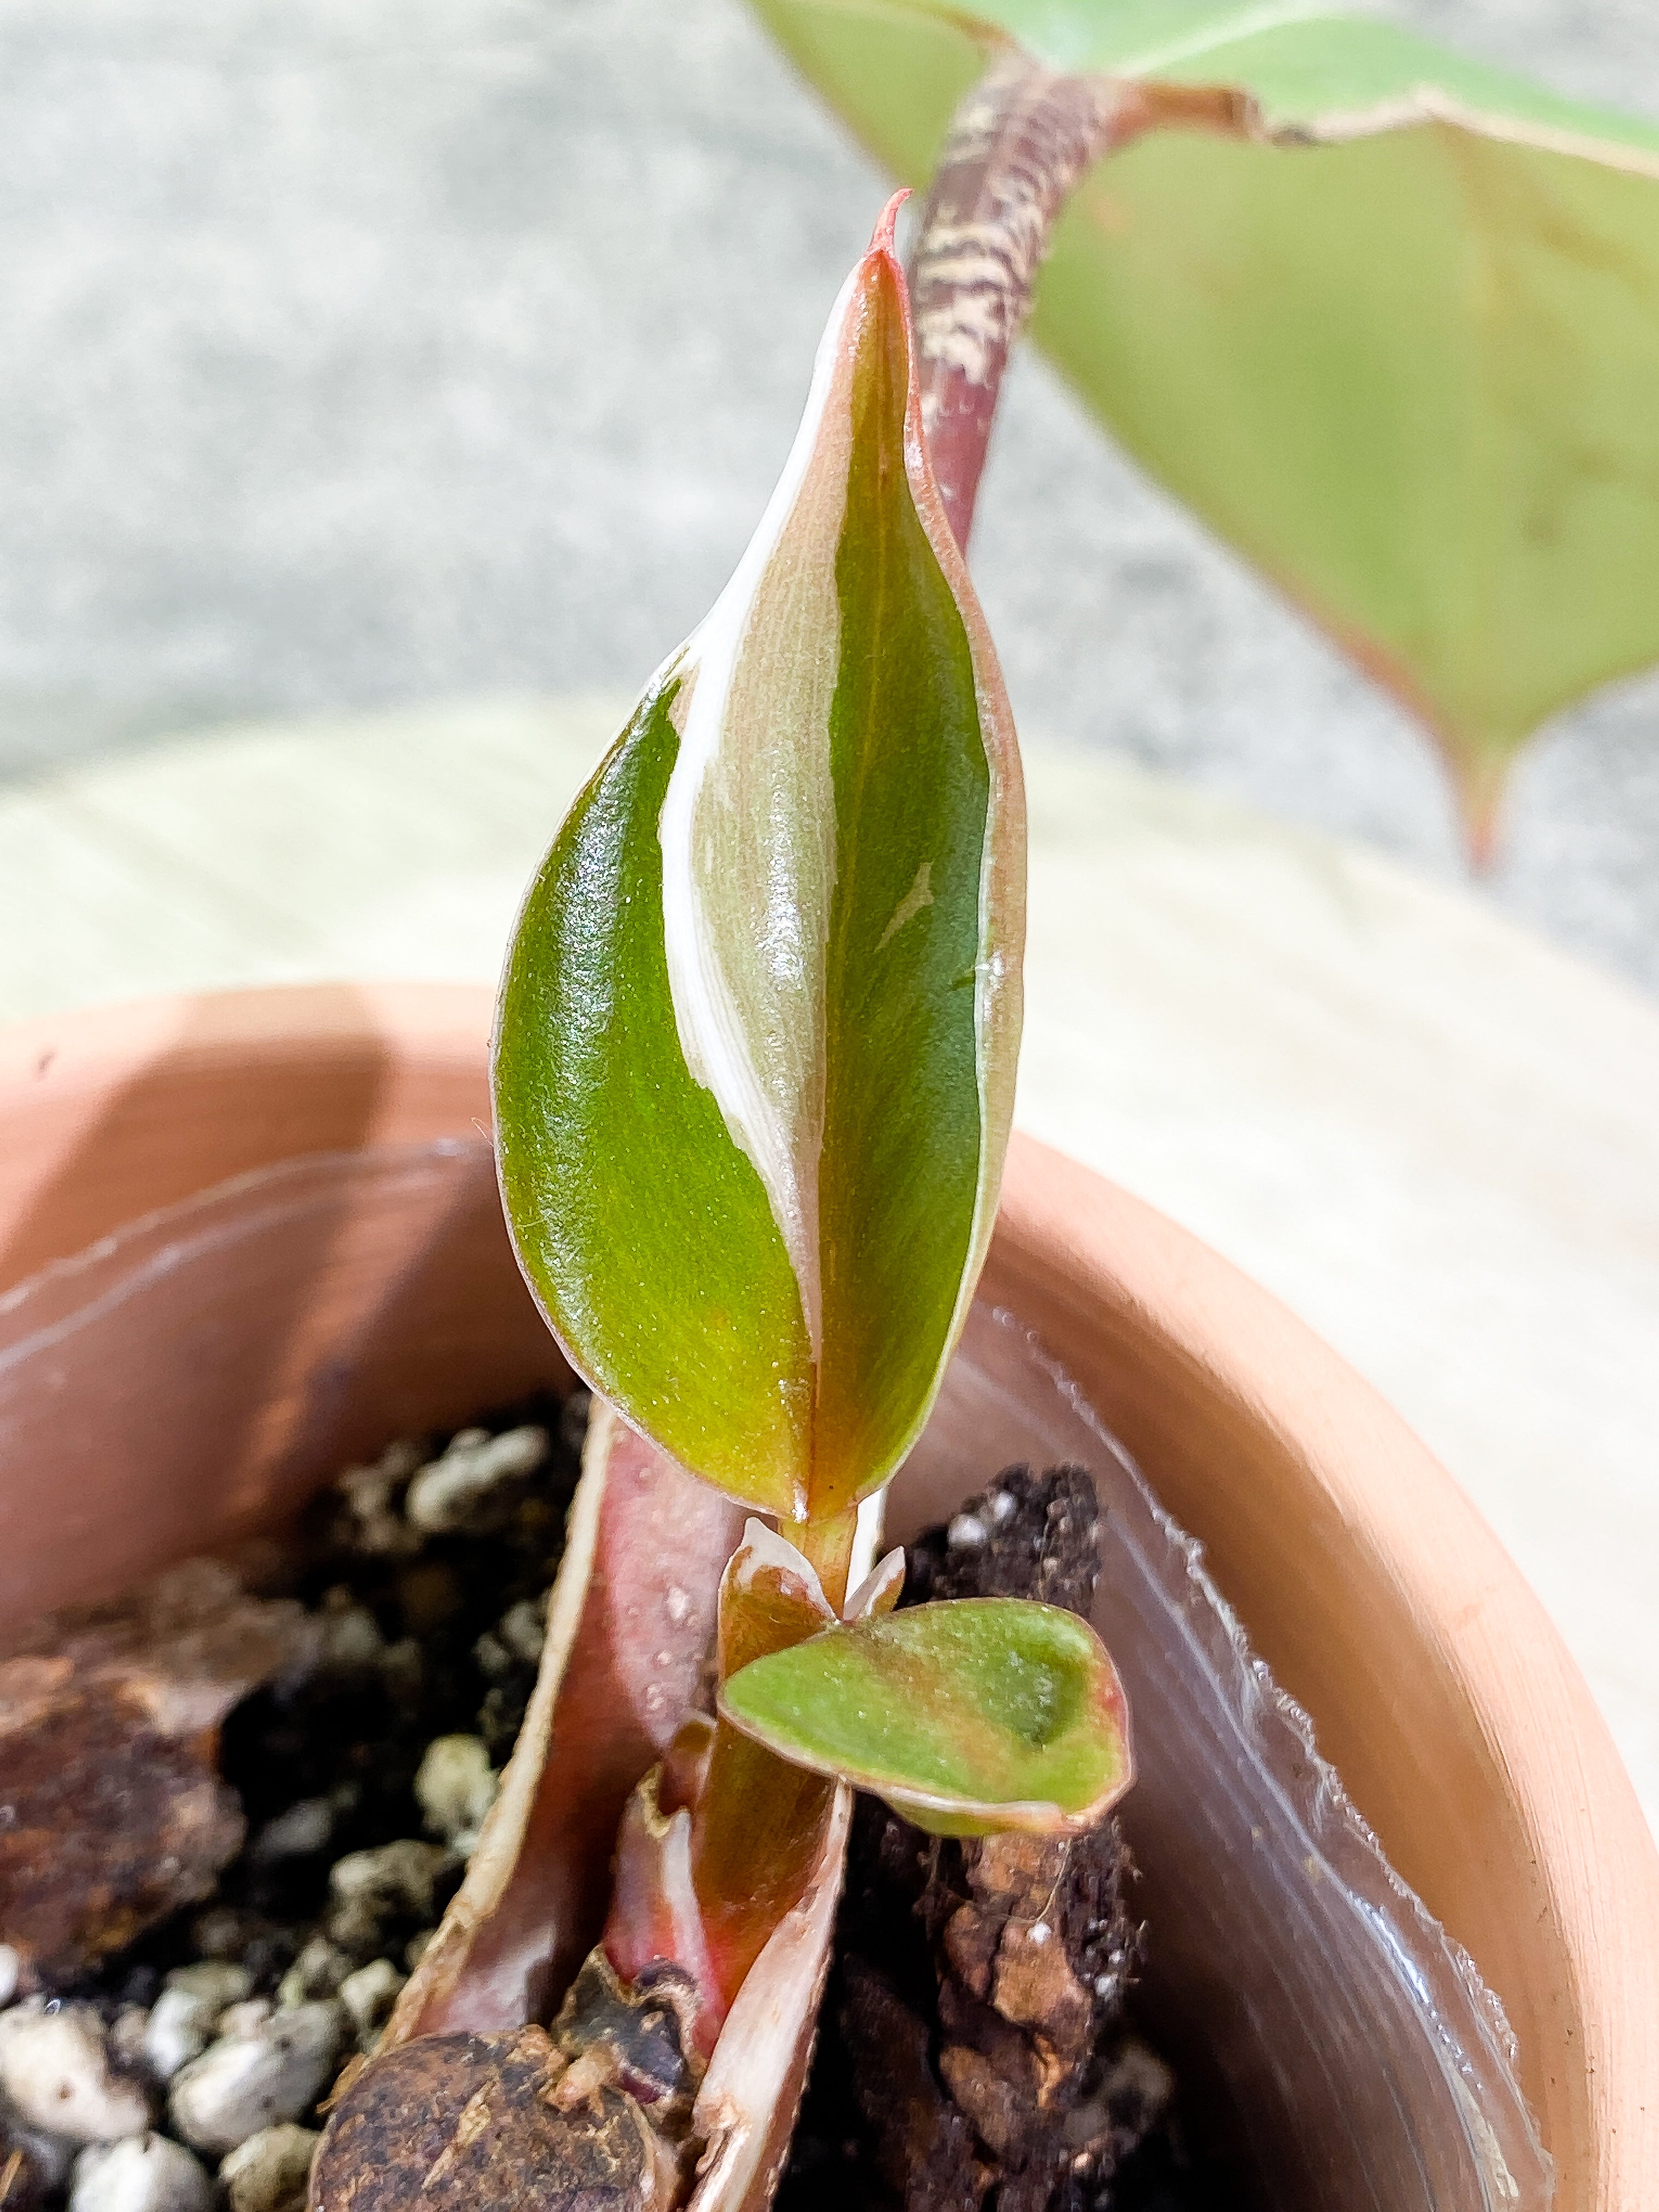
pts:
[977, 2053]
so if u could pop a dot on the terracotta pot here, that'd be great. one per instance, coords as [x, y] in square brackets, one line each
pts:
[1374, 1592]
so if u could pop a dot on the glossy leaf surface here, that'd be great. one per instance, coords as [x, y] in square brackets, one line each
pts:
[967, 1718]
[1393, 330]
[755, 1057]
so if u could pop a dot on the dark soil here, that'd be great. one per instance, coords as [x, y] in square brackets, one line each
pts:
[978, 2052]
[352, 1734]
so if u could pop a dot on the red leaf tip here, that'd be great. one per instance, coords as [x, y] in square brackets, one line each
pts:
[881, 238]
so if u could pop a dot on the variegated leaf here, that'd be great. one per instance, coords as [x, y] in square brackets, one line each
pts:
[983, 1714]
[755, 1058]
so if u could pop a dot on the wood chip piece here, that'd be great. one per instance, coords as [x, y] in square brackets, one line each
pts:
[109, 1732]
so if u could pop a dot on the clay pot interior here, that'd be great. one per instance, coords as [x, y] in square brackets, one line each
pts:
[183, 1386]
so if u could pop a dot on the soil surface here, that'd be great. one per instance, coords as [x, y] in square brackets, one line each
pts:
[353, 1783]
[978, 2052]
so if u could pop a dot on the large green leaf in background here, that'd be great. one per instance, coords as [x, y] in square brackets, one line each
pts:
[756, 1046]
[1395, 335]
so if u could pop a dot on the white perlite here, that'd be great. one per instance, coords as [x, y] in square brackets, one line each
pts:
[367, 1888]
[11, 1969]
[368, 1494]
[476, 1481]
[220, 1981]
[125, 2039]
[302, 1830]
[243, 2083]
[455, 1788]
[141, 2174]
[56, 2072]
[318, 1971]
[269, 2172]
[350, 1642]
[184, 2018]
[368, 1995]
[523, 1628]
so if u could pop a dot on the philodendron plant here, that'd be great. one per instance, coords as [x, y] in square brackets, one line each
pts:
[754, 1072]
[754, 1061]
[754, 1077]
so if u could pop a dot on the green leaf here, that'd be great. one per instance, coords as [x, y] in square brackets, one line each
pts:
[1394, 332]
[754, 1056]
[967, 1718]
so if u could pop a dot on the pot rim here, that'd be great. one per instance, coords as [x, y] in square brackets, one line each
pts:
[1431, 1670]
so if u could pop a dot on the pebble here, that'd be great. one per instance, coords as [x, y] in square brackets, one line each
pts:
[217, 1981]
[386, 1723]
[522, 1629]
[299, 1834]
[141, 2174]
[368, 1889]
[243, 2083]
[455, 1788]
[269, 2172]
[368, 1997]
[126, 2036]
[184, 2017]
[368, 1497]
[318, 1971]
[223, 1933]
[351, 1643]
[493, 1659]
[55, 2070]
[476, 1483]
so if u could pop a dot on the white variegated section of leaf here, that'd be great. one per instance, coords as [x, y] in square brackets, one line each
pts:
[764, 1560]
[880, 1591]
[748, 825]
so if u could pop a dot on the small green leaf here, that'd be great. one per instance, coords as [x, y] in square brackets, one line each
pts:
[1394, 331]
[754, 1054]
[967, 1718]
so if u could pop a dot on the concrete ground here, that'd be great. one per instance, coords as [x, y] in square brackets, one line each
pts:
[358, 351]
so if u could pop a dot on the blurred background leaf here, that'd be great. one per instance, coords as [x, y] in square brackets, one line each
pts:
[1396, 338]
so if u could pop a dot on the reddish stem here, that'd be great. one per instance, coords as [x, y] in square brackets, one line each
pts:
[1018, 145]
